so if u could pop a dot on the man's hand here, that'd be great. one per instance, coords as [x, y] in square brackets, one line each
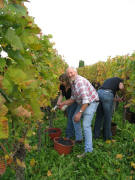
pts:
[77, 117]
[67, 102]
[61, 104]
[58, 105]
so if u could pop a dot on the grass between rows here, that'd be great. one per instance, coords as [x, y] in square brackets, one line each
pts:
[111, 160]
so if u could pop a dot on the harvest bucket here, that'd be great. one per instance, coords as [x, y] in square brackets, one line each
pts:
[53, 132]
[63, 145]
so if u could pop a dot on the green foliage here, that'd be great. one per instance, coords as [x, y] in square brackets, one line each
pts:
[13, 39]
[29, 74]
[120, 66]
[2, 64]
[81, 63]
[30, 79]
[18, 9]
[102, 163]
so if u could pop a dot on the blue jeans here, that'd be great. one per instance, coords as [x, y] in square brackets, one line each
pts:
[104, 114]
[70, 131]
[87, 117]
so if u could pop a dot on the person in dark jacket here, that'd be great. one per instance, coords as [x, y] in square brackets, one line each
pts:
[65, 92]
[104, 112]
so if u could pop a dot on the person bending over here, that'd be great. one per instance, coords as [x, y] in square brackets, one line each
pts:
[65, 92]
[104, 112]
[87, 101]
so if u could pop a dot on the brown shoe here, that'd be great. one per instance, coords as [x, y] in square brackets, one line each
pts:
[81, 155]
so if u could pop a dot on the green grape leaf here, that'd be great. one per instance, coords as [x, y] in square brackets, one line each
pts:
[16, 75]
[13, 39]
[8, 87]
[18, 9]
[29, 133]
[2, 64]
[31, 40]
[21, 59]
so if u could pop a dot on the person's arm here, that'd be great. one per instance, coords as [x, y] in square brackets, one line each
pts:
[60, 98]
[67, 102]
[79, 114]
[83, 107]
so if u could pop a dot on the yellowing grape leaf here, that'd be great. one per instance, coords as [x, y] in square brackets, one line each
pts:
[118, 170]
[2, 167]
[21, 140]
[22, 112]
[133, 165]
[6, 156]
[1, 3]
[32, 162]
[113, 140]
[34, 147]
[3, 128]
[28, 147]
[20, 163]
[119, 156]
[108, 141]
[49, 173]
